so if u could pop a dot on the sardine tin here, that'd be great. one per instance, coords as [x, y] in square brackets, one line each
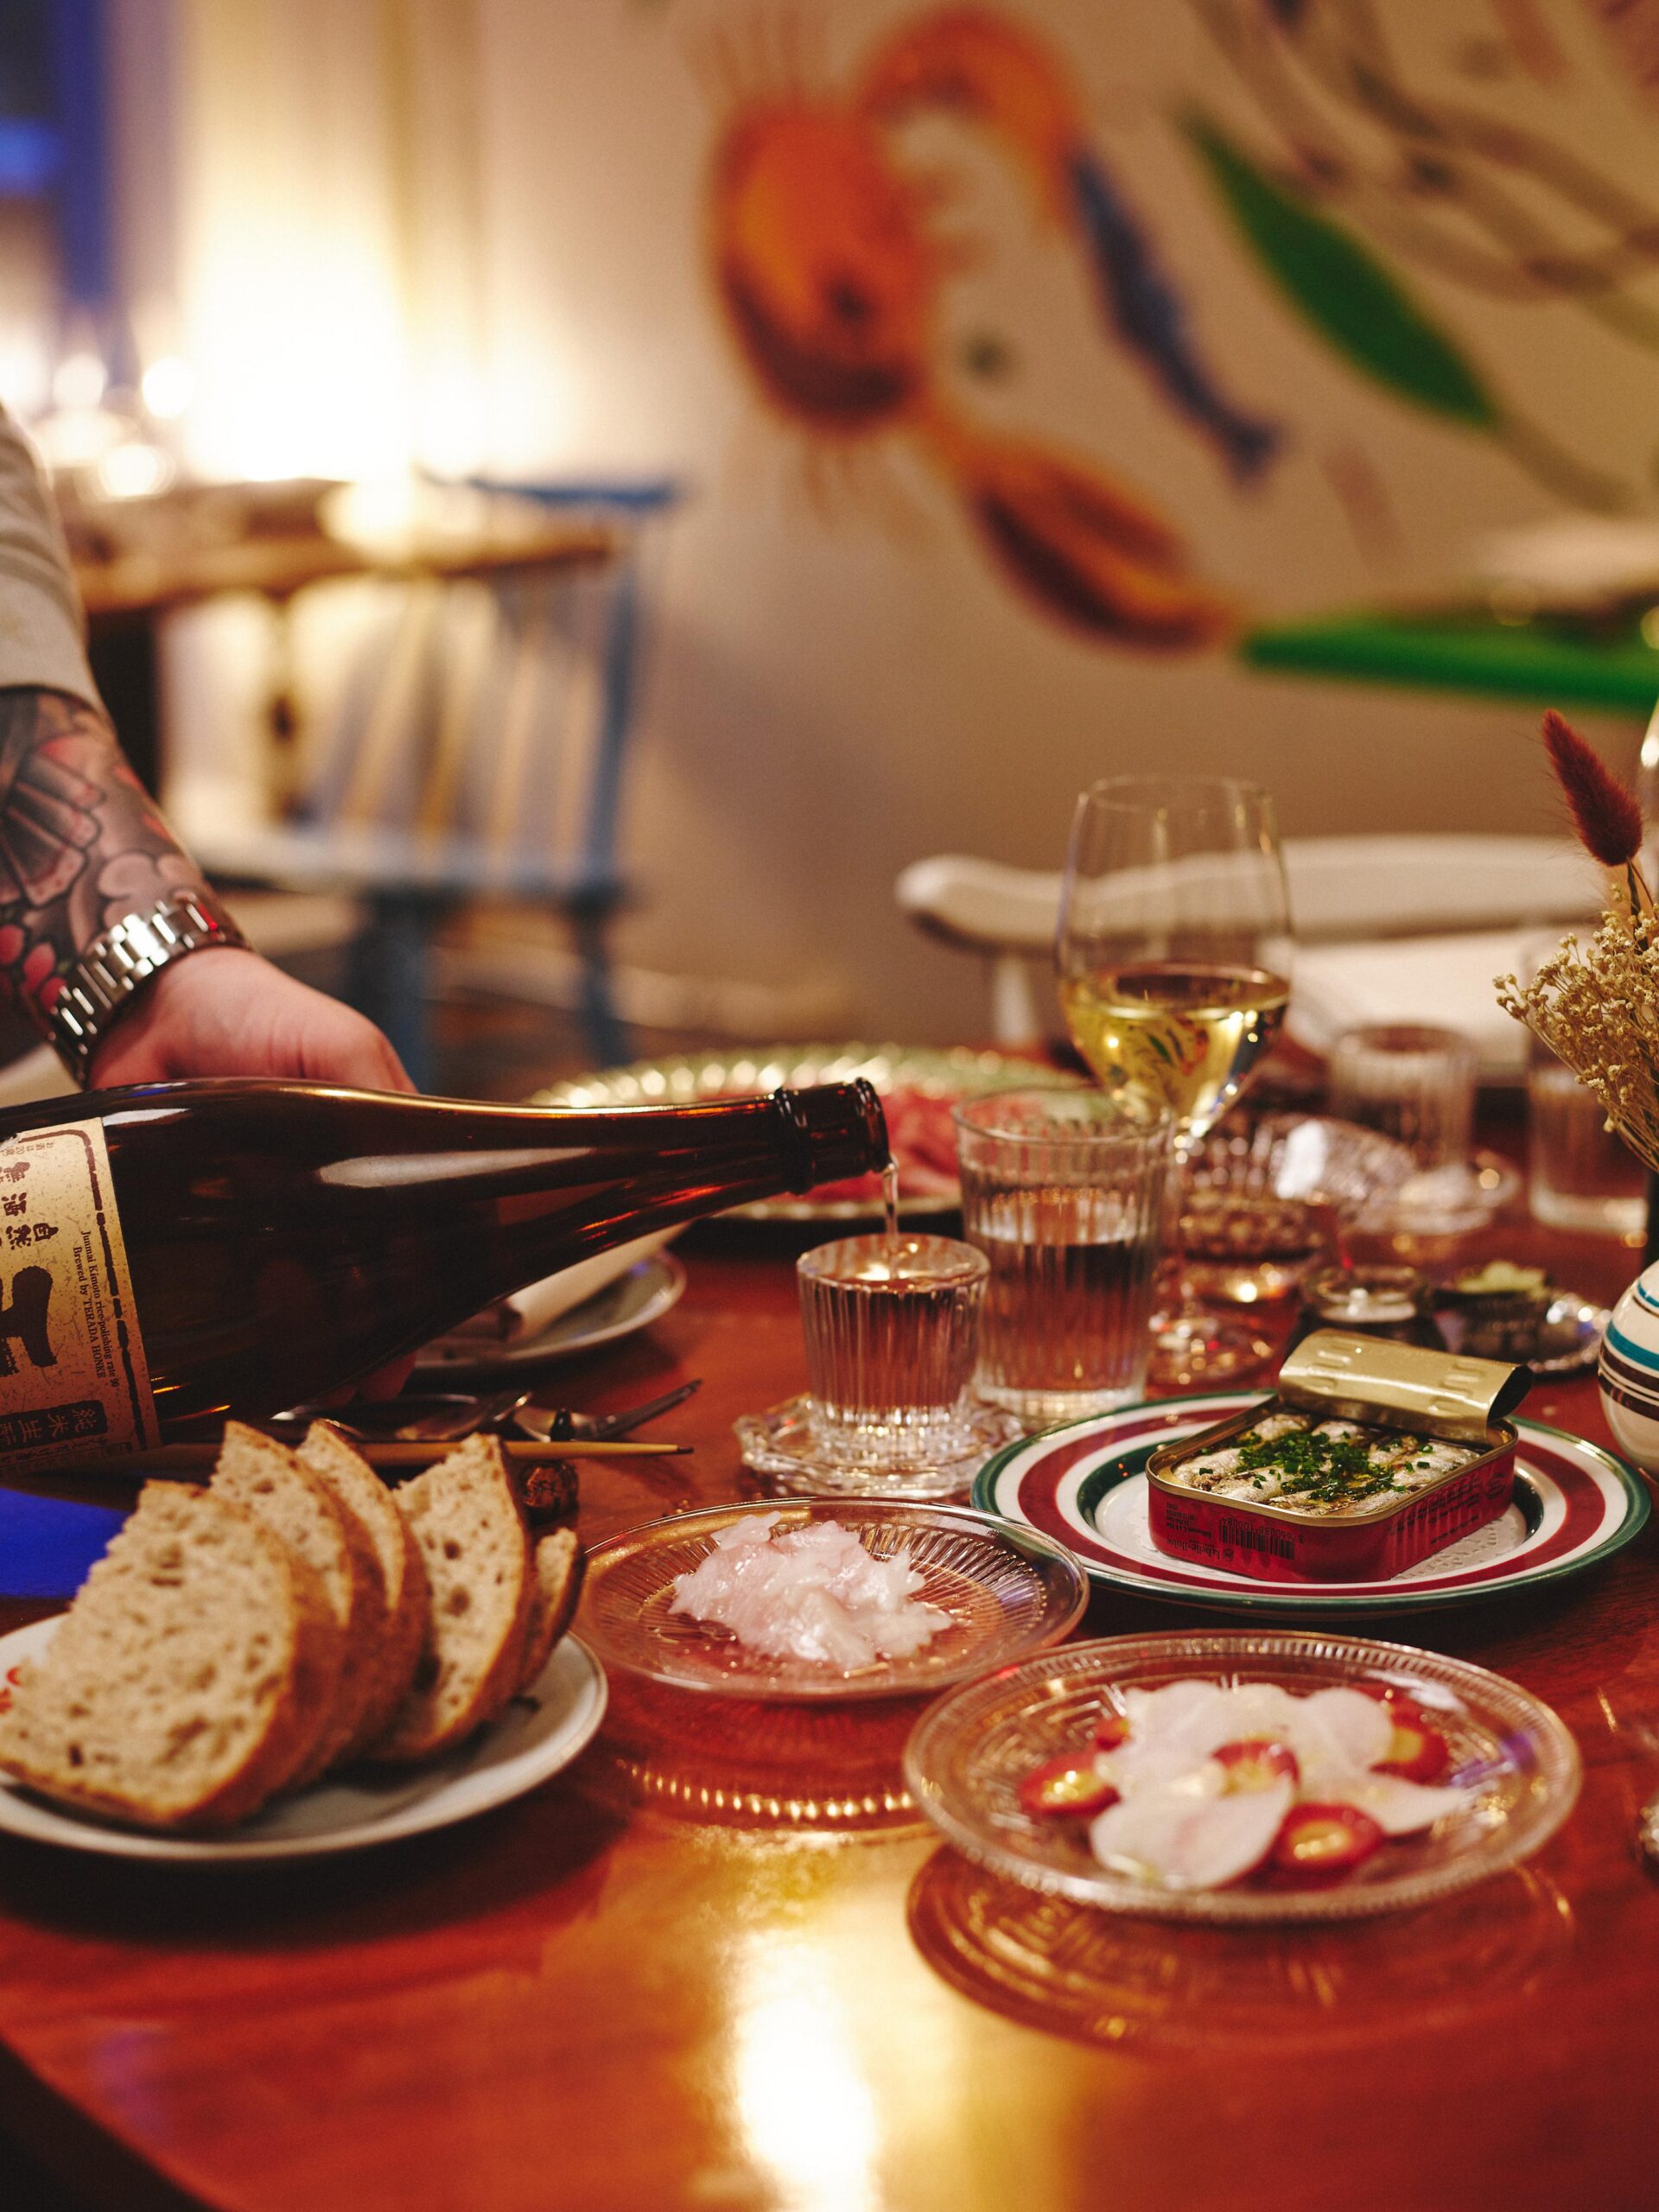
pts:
[1385, 1385]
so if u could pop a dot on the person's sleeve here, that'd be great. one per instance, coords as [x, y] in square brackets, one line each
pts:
[41, 638]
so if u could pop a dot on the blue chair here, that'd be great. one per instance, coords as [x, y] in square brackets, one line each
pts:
[477, 750]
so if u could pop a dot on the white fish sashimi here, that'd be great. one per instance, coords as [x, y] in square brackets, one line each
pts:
[1260, 1709]
[1401, 1807]
[1338, 1733]
[1188, 1844]
[812, 1594]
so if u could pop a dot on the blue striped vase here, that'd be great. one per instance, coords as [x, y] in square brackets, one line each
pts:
[1630, 1371]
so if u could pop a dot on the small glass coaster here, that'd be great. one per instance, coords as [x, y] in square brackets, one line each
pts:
[799, 1460]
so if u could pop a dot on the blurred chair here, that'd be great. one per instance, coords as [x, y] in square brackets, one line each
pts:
[477, 750]
[1342, 890]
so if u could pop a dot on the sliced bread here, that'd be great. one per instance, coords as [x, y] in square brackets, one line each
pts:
[366, 1502]
[552, 1601]
[265, 1477]
[171, 1695]
[465, 1517]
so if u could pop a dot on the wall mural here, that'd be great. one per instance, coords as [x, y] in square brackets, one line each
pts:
[830, 264]
[829, 273]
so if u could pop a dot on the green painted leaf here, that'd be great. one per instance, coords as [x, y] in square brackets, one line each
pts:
[1343, 290]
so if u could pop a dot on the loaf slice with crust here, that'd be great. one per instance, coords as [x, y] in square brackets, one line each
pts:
[364, 1500]
[255, 1471]
[465, 1515]
[171, 1695]
[552, 1601]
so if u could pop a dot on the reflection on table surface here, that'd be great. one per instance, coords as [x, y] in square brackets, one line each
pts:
[622, 1992]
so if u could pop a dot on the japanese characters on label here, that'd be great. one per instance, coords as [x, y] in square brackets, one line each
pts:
[73, 1384]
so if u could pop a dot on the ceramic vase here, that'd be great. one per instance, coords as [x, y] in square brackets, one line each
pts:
[1629, 1371]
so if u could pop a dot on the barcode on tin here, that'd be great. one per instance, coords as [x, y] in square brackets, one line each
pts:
[1247, 1537]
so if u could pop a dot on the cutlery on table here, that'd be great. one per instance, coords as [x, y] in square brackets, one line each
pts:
[558, 1424]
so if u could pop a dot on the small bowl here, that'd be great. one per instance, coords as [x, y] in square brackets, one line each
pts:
[1263, 1205]
[967, 1756]
[1010, 1592]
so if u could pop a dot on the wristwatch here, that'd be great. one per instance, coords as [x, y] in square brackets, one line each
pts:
[103, 981]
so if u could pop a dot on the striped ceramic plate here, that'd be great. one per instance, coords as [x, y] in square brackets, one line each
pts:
[1085, 1485]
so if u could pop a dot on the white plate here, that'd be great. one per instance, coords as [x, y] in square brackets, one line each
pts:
[650, 1289]
[541, 1731]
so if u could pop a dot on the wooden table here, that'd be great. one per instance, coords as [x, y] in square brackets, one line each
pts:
[593, 2002]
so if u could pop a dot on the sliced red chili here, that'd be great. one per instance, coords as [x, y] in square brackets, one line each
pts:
[1416, 1752]
[1110, 1730]
[1257, 1762]
[1318, 1843]
[1070, 1787]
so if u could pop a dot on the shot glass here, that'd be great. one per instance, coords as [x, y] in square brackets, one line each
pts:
[1064, 1193]
[891, 1326]
[1413, 1082]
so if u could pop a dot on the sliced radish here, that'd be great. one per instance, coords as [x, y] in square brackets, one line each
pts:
[1404, 1807]
[1257, 1762]
[1188, 1845]
[1070, 1787]
[1321, 1842]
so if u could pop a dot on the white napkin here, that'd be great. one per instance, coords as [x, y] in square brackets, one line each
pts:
[1447, 980]
[538, 1305]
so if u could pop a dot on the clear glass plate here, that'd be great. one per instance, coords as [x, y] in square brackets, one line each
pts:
[968, 1756]
[1008, 1592]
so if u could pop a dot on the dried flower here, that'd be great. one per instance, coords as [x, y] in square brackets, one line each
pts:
[1606, 815]
[1597, 1007]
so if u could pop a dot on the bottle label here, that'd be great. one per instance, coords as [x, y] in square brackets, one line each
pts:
[74, 1386]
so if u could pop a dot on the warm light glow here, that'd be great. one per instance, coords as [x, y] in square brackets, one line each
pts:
[74, 437]
[25, 373]
[807, 2109]
[79, 382]
[134, 471]
[169, 385]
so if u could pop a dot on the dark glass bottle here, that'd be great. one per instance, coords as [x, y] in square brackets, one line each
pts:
[176, 1251]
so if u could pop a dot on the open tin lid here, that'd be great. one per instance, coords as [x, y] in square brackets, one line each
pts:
[1365, 1378]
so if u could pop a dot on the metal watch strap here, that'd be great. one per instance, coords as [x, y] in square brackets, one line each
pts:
[98, 985]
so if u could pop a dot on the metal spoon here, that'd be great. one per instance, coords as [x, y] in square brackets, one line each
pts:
[445, 1418]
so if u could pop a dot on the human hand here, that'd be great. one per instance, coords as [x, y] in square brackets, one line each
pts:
[224, 1011]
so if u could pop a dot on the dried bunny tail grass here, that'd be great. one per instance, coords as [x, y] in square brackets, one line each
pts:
[1606, 816]
[1597, 1007]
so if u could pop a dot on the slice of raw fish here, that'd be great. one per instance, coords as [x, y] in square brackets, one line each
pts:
[1261, 1709]
[1338, 1731]
[1147, 1768]
[1170, 1733]
[1188, 1845]
[1404, 1808]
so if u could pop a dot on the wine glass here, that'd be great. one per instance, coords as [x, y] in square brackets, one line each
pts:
[1174, 958]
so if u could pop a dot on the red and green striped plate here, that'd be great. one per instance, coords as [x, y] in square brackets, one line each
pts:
[1085, 1484]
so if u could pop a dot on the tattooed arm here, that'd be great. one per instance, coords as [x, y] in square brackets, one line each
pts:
[82, 846]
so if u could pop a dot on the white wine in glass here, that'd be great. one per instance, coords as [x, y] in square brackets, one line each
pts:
[1173, 961]
[1187, 1032]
